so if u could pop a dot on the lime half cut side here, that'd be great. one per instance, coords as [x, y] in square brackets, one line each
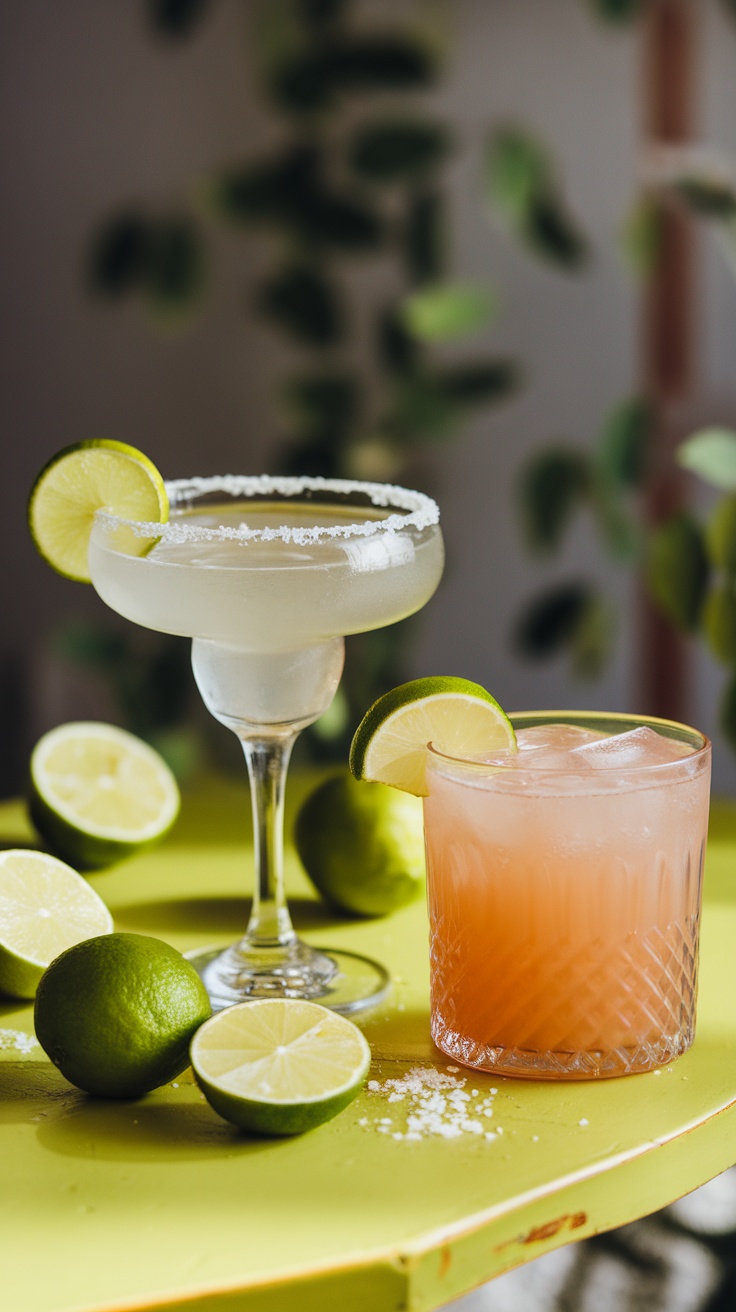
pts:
[80, 480]
[458, 717]
[98, 793]
[45, 908]
[279, 1066]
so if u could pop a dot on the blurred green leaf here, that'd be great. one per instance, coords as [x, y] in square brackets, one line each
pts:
[517, 169]
[548, 623]
[268, 192]
[719, 623]
[421, 410]
[616, 11]
[176, 17]
[727, 716]
[425, 240]
[710, 197]
[320, 14]
[677, 570]
[173, 271]
[313, 81]
[320, 454]
[304, 84]
[153, 685]
[397, 150]
[720, 536]
[117, 255]
[549, 232]
[324, 403]
[478, 383]
[290, 193]
[277, 37]
[621, 533]
[397, 349]
[304, 304]
[430, 405]
[711, 454]
[162, 257]
[522, 188]
[91, 645]
[343, 222]
[553, 485]
[624, 450]
[380, 63]
[640, 236]
[591, 639]
[447, 310]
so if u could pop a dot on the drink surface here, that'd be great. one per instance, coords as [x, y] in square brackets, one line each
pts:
[564, 893]
[271, 594]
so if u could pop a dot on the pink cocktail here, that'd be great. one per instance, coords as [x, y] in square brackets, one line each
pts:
[564, 888]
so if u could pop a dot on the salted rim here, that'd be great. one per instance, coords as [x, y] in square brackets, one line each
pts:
[423, 511]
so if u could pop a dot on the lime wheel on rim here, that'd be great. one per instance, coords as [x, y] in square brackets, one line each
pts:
[458, 717]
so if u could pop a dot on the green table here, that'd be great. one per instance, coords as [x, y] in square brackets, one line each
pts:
[160, 1204]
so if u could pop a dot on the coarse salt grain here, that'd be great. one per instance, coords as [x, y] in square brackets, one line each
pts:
[17, 1041]
[436, 1105]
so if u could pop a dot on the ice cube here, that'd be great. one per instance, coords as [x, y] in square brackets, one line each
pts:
[638, 748]
[549, 759]
[554, 737]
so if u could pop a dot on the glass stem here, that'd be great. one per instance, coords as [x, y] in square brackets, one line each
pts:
[267, 759]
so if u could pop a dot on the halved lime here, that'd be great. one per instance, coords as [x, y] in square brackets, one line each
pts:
[82, 479]
[278, 1065]
[45, 907]
[458, 717]
[98, 793]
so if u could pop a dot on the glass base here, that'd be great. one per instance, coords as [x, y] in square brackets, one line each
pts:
[556, 1064]
[342, 981]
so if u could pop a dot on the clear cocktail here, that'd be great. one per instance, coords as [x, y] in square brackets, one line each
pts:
[564, 896]
[267, 576]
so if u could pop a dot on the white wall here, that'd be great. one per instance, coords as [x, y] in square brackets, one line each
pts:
[94, 112]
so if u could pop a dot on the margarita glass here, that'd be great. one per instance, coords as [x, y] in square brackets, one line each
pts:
[267, 576]
[564, 896]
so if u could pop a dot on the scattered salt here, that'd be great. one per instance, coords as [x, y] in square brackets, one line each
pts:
[584, 1121]
[436, 1105]
[17, 1041]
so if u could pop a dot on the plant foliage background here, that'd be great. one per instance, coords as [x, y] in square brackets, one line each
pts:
[192, 188]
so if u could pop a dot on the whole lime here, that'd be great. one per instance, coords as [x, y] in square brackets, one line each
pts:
[362, 845]
[116, 1014]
